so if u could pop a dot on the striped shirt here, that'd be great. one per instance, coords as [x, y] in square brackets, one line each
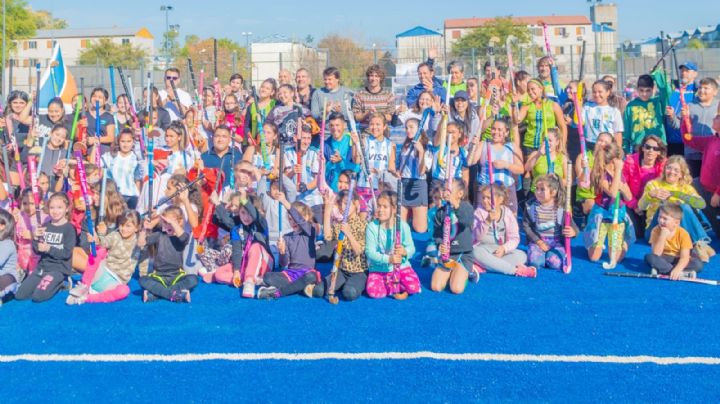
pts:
[125, 171]
[546, 221]
[377, 152]
[503, 176]
[311, 167]
[412, 163]
[459, 164]
[364, 101]
[179, 160]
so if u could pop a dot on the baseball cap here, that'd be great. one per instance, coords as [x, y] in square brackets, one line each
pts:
[462, 94]
[689, 66]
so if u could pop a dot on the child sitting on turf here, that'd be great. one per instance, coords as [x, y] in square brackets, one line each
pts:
[352, 269]
[383, 255]
[249, 257]
[543, 224]
[297, 254]
[671, 246]
[9, 276]
[497, 236]
[609, 184]
[168, 279]
[459, 250]
[107, 282]
[54, 244]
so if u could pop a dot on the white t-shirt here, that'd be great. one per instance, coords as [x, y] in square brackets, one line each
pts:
[185, 99]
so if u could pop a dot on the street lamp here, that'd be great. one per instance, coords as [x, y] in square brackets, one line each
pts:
[374, 54]
[594, 25]
[166, 45]
[247, 36]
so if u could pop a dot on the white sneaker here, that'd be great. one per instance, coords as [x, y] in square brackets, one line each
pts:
[248, 290]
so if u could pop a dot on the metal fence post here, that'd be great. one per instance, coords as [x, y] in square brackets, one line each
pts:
[572, 64]
[473, 58]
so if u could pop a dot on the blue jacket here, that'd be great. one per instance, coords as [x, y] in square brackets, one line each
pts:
[414, 93]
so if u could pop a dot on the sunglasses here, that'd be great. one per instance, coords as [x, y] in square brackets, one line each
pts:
[653, 148]
[171, 77]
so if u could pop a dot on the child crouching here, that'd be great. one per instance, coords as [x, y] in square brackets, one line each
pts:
[671, 246]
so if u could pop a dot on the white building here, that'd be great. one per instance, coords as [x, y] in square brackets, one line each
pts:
[565, 33]
[72, 41]
[414, 44]
[269, 58]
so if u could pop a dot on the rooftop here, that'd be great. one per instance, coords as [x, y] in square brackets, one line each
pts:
[418, 31]
[92, 33]
[531, 20]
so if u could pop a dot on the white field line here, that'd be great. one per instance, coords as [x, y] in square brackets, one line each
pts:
[366, 356]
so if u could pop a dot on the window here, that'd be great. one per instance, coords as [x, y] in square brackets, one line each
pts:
[32, 44]
[456, 34]
[580, 31]
[126, 41]
[560, 31]
[84, 43]
[559, 50]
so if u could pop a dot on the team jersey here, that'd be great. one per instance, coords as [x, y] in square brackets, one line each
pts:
[311, 167]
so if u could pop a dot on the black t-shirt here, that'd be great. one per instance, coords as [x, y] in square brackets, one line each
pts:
[169, 257]
[62, 239]
[106, 119]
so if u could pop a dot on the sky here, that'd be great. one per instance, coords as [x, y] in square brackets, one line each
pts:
[367, 21]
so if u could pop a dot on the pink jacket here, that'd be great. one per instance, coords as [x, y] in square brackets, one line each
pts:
[512, 231]
[637, 180]
[710, 148]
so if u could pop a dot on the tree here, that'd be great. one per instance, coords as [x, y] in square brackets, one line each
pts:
[500, 27]
[106, 52]
[695, 43]
[348, 57]
[201, 52]
[45, 20]
[21, 23]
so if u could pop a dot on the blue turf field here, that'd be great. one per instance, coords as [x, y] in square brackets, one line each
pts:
[584, 313]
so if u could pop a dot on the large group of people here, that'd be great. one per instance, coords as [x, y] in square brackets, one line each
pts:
[253, 187]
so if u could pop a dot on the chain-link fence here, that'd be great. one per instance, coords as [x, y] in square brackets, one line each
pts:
[627, 65]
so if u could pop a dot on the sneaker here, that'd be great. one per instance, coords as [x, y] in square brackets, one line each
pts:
[689, 274]
[475, 272]
[267, 292]
[526, 271]
[79, 290]
[248, 290]
[308, 290]
[706, 247]
[653, 271]
[148, 297]
[71, 300]
[182, 296]
[701, 253]
[400, 296]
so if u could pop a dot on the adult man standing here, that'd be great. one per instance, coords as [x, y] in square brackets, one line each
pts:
[373, 98]
[304, 90]
[167, 95]
[428, 82]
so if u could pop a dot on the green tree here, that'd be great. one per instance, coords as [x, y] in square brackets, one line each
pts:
[45, 20]
[106, 52]
[21, 22]
[201, 53]
[348, 57]
[695, 43]
[500, 27]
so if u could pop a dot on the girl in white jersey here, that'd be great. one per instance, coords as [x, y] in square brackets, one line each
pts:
[124, 168]
[379, 153]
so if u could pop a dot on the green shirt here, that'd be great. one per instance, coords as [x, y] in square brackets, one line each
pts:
[456, 87]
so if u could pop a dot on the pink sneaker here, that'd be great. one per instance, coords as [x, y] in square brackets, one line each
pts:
[525, 271]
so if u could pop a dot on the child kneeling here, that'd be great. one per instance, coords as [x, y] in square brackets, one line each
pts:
[458, 248]
[168, 280]
[671, 246]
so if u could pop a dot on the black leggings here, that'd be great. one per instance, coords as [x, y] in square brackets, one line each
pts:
[351, 285]
[166, 290]
[287, 288]
[40, 286]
